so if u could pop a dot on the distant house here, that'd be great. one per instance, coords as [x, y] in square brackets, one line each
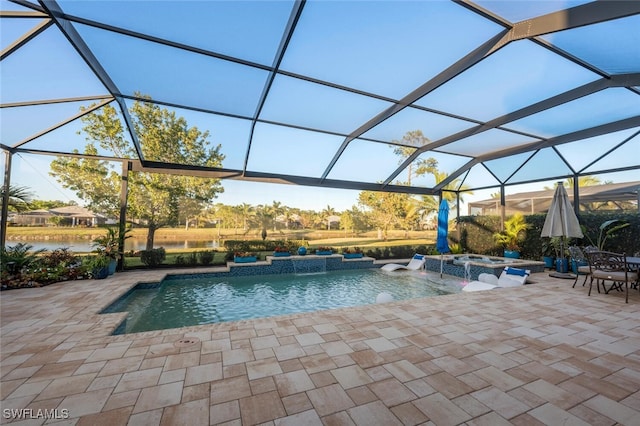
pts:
[68, 215]
[32, 218]
[605, 197]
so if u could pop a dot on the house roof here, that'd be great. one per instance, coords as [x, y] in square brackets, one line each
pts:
[73, 211]
[539, 201]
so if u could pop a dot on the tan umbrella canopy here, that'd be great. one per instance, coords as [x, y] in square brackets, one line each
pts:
[561, 219]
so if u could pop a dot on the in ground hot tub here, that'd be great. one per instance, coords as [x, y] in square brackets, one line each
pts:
[478, 264]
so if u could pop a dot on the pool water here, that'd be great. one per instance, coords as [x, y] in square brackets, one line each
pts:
[180, 302]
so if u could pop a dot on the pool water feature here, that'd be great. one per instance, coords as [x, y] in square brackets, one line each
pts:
[470, 266]
[185, 301]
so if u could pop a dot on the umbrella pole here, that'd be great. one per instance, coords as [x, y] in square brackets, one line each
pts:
[441, 261]
[565, 275]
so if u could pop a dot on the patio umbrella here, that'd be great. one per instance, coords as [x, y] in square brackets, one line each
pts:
[561, 220]
[442, 245]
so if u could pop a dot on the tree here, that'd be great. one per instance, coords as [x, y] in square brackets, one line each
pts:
[247, 211]
[154, 199]
[582, 181]
[19, 197]
[327, 214]
[407, 146]
[346, 222]
[93, 181]
[447, 193]
[190, 209]
[276, 210]
[50, 204]
[385, 209]
[264, 217]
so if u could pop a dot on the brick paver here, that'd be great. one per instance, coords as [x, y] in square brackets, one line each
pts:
[542, 353]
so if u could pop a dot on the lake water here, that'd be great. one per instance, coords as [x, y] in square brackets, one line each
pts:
[83, 246]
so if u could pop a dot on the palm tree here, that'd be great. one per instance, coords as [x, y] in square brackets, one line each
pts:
[264, 216]
[19, 197]
[246, 211]
[453, 185]
[327, 213]
[424, 206]
[584, 181]
[276, 210]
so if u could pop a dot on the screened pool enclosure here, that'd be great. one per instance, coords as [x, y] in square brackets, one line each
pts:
[318, 93]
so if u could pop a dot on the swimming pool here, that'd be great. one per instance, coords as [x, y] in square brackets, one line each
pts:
[184, 301]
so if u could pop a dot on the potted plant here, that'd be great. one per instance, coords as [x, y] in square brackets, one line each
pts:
[107, 245]
[98, 266]
[324, 251]
[352, 253]
[561, 252]
[514, 230]
[548, 252]
[281, 251]
[244, 257]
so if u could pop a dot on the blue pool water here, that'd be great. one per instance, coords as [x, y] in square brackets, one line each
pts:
[179, 302]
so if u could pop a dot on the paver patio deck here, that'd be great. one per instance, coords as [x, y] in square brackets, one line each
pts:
[540, 354]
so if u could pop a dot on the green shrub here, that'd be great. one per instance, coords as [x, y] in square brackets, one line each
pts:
[19, 256]
[206, 257]
[59, 257]
[260, 245]
[153, 257]
[478, 231]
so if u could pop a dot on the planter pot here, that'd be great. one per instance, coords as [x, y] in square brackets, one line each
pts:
[324, 252]
[352, 255]
[512, 254]
[112, 266]
[100, 274]
[575, 264]
[281, 254]
[302, 251]
[245, 259]
[549, 262]
[562, 265]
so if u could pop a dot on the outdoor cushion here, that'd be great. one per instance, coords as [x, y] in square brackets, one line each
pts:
[614, 275]
[516, 271]
[416, 263]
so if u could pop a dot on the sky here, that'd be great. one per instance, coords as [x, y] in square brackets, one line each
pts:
[344, 43]
[32, 171]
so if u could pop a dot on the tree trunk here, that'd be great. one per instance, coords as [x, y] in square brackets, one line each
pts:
[150, 235]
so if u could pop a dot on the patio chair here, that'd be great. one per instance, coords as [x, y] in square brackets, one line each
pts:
[510, 277]
[608, 266]
[582, 265]
[417, 262]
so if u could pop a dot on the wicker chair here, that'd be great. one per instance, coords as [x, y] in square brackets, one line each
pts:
[607, 266]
